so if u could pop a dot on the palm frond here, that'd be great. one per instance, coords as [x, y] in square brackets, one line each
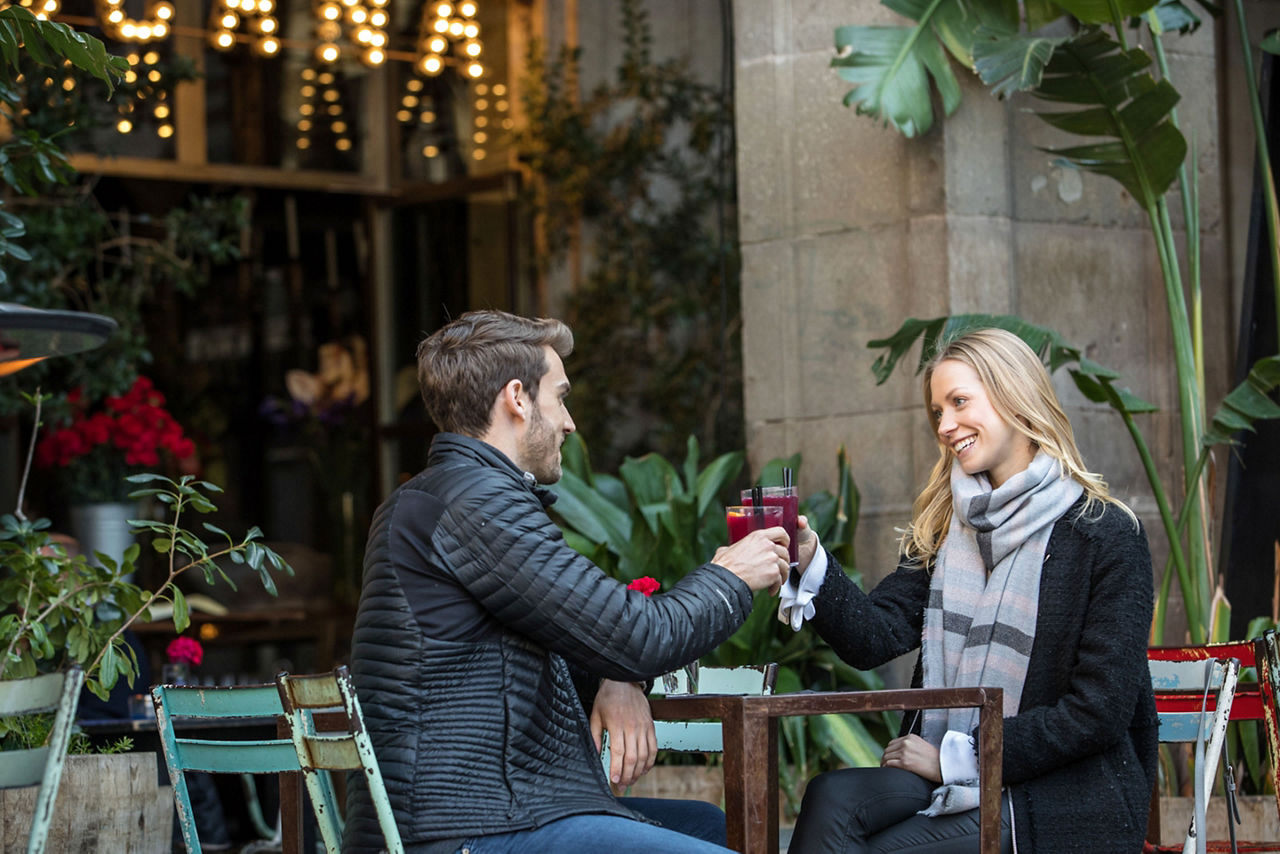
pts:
[1011, 64]
[1122, 101]
[1105, 11]
[891, 67]
[1248, 402]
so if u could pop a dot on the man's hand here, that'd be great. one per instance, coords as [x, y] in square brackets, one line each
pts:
[760, 559]
[623, 710]
[913, 753]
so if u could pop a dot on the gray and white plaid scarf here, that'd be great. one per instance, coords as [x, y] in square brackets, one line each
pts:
[980, 621]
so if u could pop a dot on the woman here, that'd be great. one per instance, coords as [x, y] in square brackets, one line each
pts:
[1018, 571]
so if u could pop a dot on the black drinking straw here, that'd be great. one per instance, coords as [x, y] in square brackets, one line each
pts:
[786, 477]
[757, 504]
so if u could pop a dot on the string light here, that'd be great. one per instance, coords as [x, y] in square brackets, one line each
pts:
[445, 30]
[365, 22]
[116, 23]
[254, 18]
[42, 9]
[321, 93]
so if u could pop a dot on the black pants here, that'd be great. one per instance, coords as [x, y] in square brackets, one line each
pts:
[874, 810]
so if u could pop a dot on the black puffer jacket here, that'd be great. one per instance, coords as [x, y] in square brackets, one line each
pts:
[484, 732]
[1080, 755]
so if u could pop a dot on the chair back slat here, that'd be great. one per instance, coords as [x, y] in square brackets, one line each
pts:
[332, 753]
[693, 679]
[23, 767]
[318, 691]
[1183, 676]
[237, 757]
[30, 696]
[242, 701]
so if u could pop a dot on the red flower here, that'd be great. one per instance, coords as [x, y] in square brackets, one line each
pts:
[646, 585]
[185, 650]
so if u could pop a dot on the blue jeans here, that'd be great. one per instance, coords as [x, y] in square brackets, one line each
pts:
[687, 827]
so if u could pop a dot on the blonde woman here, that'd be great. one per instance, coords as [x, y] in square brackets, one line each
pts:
[1019, 571]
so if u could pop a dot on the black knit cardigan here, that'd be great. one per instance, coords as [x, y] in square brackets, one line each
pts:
[1080, 755]
[488, 735]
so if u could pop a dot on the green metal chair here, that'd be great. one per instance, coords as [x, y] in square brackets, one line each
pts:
[324, 748]
[56, 692]
[209, 706]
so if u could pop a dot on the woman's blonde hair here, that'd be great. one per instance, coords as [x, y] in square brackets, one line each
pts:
[1019, 389]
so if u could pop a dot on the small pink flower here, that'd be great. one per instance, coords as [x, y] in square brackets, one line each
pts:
[646, 585]
[185, 650]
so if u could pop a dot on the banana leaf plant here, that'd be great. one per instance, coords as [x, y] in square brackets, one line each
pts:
[661, 519]
[1106, 90]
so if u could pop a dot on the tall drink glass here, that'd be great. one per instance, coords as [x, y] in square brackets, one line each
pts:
[743, 520]
[787, 498]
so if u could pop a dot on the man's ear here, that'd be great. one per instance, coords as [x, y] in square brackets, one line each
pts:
[514, 400]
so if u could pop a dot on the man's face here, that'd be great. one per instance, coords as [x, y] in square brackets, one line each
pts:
[549, 424]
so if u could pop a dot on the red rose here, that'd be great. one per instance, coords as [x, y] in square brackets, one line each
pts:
[184, 649]
[646, 585]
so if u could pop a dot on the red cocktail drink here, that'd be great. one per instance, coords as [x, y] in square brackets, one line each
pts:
[788, 499]
[744, 520]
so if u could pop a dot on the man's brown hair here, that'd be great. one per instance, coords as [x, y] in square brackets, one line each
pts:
[464, 365]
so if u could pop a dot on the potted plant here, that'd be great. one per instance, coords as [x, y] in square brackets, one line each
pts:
[96, 445]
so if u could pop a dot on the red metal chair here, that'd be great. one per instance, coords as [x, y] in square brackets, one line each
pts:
[1252, 702]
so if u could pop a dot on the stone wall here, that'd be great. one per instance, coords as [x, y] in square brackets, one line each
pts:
[847, 229]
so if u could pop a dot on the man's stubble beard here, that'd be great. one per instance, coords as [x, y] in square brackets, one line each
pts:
[541, 449]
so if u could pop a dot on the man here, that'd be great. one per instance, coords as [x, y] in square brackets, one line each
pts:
[479, 628]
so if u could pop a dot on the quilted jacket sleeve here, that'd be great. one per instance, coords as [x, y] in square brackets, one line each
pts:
[515, 561]
[868, 629]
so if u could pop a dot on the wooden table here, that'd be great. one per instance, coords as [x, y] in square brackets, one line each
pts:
[750, 725]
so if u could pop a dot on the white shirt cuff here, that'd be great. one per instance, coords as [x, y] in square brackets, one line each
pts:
[958, 758]
[795, 603]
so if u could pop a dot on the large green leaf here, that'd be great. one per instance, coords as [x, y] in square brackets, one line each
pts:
[1122, 101]
[890, 67]
[1105, 11]
[1011, 64]
[48, 42]
[1271, 42]
[1041, 12]
[712, 480]
[592, 515]
[1094, 381]
[847, 737]
[1171, 16]
[1252, 400]
[652, 482]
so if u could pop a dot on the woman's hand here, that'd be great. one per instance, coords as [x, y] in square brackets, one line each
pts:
[912, 753]
[808, 543]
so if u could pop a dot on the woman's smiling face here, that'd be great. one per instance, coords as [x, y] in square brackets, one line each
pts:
[969, 425]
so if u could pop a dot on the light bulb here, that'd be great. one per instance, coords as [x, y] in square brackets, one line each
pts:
[130, 76]
[358, 15]
[472, 48]
[232, 4]
[455, 29]
[339, 127]
[431, 65]
[142, 32]
[127, 30]
[403, 116]
[308, 74]
[325, 78]
[115, 16]
[124, 126]
[304, 125]
[230, 21]
[374, 56]
[378, 38]
[161, 111]
[430, 151]
[501, 106]
[331, 95]
[343, 144]
[499, 90]
[467, 10]
[478, 154]
[329, 52]
[378, 18]
[427, 117]
[475, 69]
[482, 121]
[265, 6]
[154, 76]
[164, 11]
[267, 25]
[482, 103]
[334, 109]
[409, 100]
[270, 46]
[151, 57]
[482, 89]
[160, 30]
[414, 85]
[68, 84]
[304, 143]
[225, 40]
[165, 131]
[331, 11]
[444, 10]
[437, 44]
[471, 31]
[308, 91]
[441, 25]
[306, 110]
